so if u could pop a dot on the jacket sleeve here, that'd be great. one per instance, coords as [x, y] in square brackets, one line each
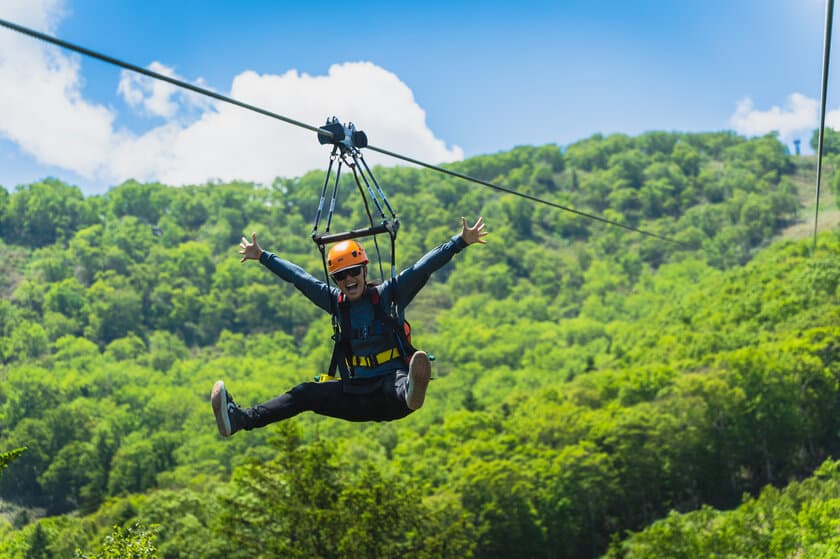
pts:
[411, 280]
[314, 289]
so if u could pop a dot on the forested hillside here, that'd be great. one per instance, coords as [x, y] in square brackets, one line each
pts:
[590, 381]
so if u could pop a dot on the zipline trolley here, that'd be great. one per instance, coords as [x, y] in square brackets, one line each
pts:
[347, 144]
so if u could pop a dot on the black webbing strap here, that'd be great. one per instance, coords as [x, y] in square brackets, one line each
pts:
[339, 361]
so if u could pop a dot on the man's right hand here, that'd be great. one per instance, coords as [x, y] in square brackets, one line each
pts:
[250, 249]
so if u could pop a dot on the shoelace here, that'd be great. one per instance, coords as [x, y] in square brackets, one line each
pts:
[231, 404]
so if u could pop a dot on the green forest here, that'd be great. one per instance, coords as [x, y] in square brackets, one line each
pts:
[597, 392]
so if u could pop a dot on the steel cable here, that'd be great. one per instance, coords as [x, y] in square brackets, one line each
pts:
[829, 16]
[320, 131]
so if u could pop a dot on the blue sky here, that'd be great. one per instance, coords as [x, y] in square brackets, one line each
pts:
[433, 80]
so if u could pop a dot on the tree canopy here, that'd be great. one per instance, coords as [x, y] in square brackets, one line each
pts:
[592, 385]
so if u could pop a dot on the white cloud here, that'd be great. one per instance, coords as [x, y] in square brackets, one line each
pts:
[229, 142]
[42, 15]
[796, 120]
[43, 111]
[157, 97]
[832, 119]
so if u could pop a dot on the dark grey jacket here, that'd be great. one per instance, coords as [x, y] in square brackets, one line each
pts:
[369, 337]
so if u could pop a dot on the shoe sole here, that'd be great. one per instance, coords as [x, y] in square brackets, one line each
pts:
[419, 373]
[218, 398]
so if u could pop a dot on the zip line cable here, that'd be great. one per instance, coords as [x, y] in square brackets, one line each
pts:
[320, 131]
[158, 76]
[523, 195]
[829, 16]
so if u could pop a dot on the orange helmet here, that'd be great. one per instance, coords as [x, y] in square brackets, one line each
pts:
[345, 254]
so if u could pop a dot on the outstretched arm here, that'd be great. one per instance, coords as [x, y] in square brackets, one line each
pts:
[411, 280]
[315, 290]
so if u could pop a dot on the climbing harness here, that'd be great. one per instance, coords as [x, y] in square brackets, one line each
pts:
[344, 361]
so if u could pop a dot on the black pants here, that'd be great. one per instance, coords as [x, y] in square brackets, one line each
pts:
[378, 399]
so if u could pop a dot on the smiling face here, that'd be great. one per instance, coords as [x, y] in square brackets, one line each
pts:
[352, 282]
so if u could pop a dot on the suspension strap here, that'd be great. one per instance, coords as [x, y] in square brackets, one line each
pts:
[379, 188]
[320, 209]
[367, 211]
[347, 142]
[358, 171]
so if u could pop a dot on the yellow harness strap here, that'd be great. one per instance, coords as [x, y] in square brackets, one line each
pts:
[370, 361]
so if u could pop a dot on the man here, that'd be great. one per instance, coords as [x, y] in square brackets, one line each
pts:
[378, 386]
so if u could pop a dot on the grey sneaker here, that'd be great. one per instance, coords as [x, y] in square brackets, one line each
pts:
[229, 417]
[419, 373]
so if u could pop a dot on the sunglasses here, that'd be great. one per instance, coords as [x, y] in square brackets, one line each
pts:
[353, 272]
